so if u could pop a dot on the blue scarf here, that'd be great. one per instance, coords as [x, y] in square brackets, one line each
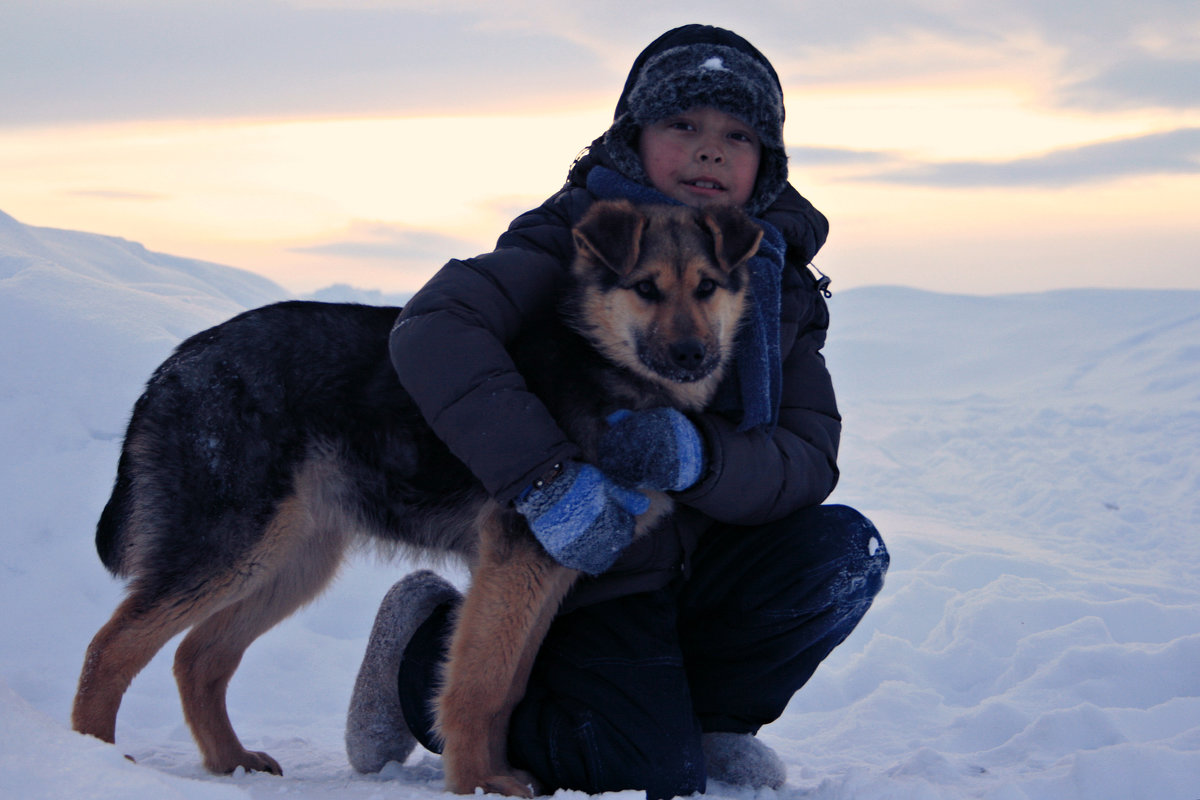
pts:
[757, 362]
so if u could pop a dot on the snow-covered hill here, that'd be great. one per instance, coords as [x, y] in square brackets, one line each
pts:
[1030, 459]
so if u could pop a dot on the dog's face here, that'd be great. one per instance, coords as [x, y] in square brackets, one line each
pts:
[662, 290]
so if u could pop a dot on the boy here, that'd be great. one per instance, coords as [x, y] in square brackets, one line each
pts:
[660, 667]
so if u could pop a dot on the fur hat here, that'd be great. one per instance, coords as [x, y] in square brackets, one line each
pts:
[723, 72]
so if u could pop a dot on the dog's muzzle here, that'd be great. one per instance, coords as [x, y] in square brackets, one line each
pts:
[683, 361]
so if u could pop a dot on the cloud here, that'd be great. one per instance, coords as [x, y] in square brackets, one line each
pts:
[1099, 54]
[76, 60]
[68, 60]
[1116, 54]
[392, 243]
[835, 156]
[116, 194]
[1139, 82]
[1172, 152]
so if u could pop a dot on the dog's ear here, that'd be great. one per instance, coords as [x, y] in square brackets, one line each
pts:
[611, 233]
[735, 235]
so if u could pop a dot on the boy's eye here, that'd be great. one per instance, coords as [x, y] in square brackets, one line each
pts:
[647, 290]
[705, 288]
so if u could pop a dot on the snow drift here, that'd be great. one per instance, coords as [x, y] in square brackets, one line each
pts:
[1030, 459]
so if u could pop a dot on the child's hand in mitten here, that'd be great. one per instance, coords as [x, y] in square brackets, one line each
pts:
[582, 518]
[659, 449]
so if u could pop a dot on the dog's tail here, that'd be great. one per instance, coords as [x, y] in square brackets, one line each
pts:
[109, 530]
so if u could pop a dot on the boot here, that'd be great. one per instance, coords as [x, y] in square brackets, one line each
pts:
[741, 759]
[376, 732]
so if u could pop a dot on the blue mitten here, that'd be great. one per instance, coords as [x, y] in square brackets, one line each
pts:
[583, 519]
[655, 449]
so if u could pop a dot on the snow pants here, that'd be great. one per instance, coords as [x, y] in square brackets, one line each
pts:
[622, 690]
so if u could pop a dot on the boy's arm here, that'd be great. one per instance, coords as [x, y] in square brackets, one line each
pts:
[755, 477]
[449, 351]
[803, 226]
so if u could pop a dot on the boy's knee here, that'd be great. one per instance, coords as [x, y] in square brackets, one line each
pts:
[838, 533]
[859, 548]
[829, 558]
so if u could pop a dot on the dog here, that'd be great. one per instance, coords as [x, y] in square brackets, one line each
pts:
[264, 447]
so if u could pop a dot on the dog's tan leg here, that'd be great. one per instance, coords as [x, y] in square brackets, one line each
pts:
[117, 653]
[204, 664]
[515, 592]
[297, 560]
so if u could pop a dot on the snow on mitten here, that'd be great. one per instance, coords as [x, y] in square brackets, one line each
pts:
[582, 518]
[658, 449]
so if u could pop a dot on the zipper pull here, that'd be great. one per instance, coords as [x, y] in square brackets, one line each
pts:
[822, 282]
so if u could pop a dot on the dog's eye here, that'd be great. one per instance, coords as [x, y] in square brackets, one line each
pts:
[647, 290]
[706, 288]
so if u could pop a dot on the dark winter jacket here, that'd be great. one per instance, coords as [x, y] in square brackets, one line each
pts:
[449, 349]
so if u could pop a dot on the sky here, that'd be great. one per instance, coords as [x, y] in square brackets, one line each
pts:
[978, 146]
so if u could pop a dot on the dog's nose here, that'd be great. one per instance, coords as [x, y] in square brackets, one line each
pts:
[688, 353]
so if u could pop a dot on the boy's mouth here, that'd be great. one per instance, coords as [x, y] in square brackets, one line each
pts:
[706, 183]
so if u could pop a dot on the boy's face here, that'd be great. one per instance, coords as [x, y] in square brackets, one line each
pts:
[701, 157]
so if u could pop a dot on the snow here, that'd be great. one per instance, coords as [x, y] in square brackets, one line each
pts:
[1030, 459]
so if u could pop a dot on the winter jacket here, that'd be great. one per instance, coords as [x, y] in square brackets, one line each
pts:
[449, 350]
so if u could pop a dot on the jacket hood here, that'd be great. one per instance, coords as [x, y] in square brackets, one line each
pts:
[690, 35]
[702, 65]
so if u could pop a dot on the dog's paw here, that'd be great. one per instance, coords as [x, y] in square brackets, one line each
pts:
[249, 760]
[518, 783]
[261, 762]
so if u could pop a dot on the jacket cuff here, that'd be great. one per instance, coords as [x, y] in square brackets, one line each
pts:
[713, 462]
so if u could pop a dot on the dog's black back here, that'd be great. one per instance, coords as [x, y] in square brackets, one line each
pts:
[216, 439]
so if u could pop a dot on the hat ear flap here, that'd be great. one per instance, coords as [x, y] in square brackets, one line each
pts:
[610, 233]
[770, 181]
[735, 235]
